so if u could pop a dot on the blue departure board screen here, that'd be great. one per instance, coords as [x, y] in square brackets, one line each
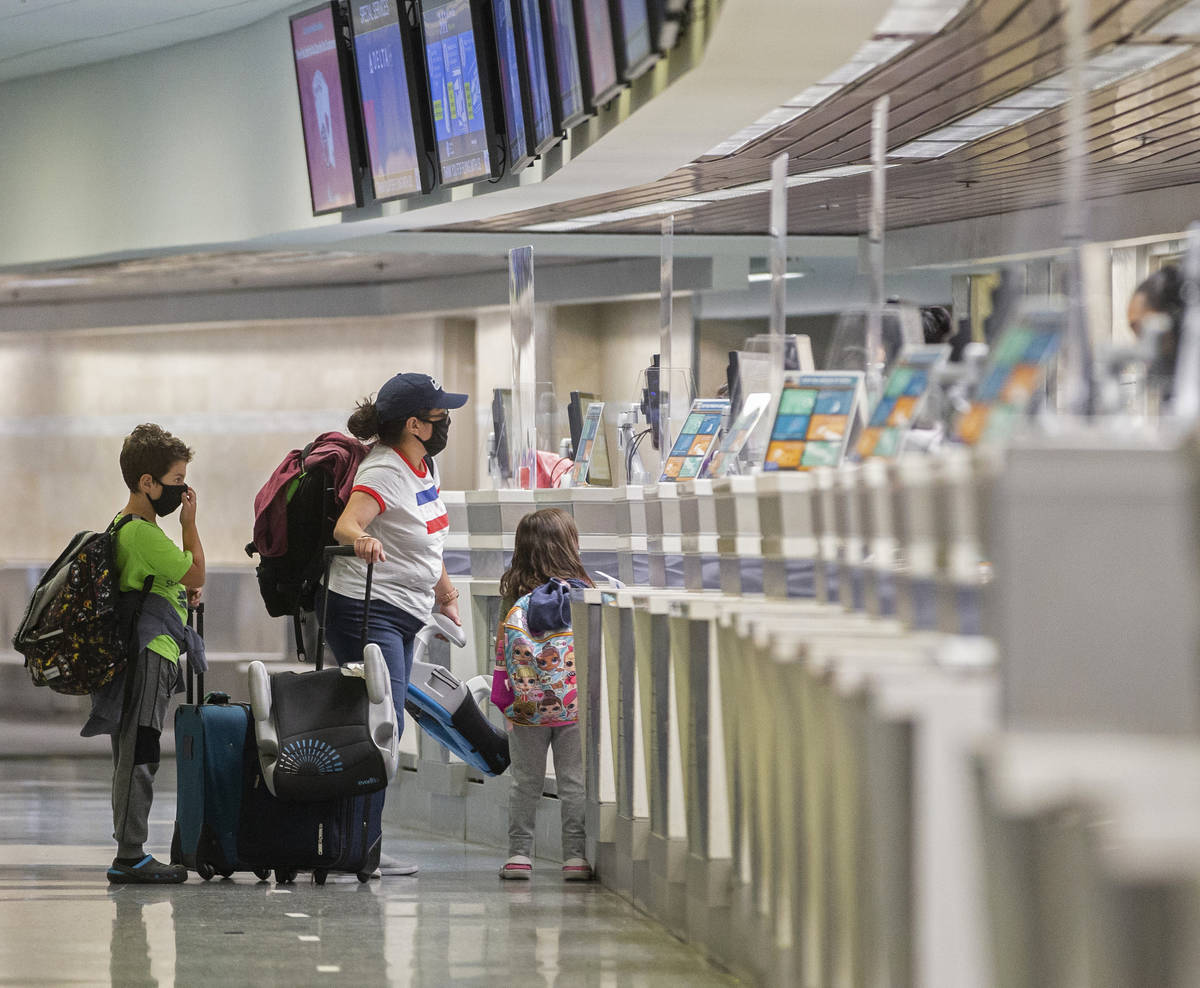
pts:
[568, 85]
[539, 80]
[602, 60]
[387, 109]
[457, 104]
[634, 32]
[510, 82]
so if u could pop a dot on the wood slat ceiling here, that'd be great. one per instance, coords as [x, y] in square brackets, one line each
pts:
[1141, 133]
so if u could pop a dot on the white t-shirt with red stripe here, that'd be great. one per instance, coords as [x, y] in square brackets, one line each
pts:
[411, 524]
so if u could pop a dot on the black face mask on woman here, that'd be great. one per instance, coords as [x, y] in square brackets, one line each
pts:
[170, 499]
[440, 436]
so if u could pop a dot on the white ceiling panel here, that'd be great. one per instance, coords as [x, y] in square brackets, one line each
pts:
[39, 36]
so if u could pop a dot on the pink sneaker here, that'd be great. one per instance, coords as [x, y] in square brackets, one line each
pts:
[576, 870]
[518, 867]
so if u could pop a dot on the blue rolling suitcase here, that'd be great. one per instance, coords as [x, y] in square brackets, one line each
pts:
[445, 709]
[210, 748]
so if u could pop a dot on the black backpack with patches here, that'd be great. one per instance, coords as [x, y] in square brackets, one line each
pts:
[71, 635]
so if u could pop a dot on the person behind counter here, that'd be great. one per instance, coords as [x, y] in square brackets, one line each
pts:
[1160, 295]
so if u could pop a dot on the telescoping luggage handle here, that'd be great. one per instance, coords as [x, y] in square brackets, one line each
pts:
[195, 620]
[330, 552]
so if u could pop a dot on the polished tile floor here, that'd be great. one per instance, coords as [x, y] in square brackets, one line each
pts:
[455, 923]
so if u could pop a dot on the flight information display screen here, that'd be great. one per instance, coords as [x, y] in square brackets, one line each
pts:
[635, 34]
[510, 82]
[454, 94]
[602, 60]
[569, 84]
[539, 78]
[387, 105]
[331, 166]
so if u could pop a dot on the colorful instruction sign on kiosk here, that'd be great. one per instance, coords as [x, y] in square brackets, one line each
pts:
[722, 461]
[814, 419]
[903, 398]
[696, 441]
[1015, 375]
[587, 443]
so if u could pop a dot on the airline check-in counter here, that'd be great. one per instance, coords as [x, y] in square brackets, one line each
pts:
[895, 761]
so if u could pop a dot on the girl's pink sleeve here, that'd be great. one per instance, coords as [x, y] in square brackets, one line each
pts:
[502, 691]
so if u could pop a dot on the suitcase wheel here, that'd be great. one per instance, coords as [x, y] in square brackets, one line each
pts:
[205, 870]
[262, 874]
[319, 875]
[364, 877]
[285, 876]
[226, 874]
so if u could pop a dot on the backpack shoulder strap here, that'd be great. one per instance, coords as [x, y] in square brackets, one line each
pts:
[304, 454]
[117, 525]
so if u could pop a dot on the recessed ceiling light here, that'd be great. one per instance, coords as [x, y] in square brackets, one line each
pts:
[766, 275]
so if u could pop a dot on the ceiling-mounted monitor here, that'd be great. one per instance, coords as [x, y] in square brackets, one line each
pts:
[597, 57]
[666, 24]
[391, 89]
[459, 70]
[508, 60]
[634, 47]
[539, 113]
[325, 83]
[562, 59]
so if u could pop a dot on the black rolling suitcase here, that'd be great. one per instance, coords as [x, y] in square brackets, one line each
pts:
[337, 835]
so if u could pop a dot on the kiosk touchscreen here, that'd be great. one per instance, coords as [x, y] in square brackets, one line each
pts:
[697, 440]
[815, 416]
[1015, 376]
[723, 462]
[591, 443]
[904, 397]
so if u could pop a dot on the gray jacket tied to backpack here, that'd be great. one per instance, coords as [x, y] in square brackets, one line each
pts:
[157, 617]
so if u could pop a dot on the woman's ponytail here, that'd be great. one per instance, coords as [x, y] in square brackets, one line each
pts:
[364, 421]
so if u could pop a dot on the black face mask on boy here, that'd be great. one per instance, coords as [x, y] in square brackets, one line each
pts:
[170, 499]
[441, 435]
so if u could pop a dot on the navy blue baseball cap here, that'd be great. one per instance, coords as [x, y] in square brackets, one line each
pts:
[406, 395]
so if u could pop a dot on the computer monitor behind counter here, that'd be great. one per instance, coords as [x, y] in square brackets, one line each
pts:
[501, 417]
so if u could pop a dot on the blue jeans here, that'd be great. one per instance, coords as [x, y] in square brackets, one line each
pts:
[388, 626]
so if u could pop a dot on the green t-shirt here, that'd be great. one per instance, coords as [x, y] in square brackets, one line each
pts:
[144, 548]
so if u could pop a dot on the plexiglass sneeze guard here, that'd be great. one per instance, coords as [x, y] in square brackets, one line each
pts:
[535, 425]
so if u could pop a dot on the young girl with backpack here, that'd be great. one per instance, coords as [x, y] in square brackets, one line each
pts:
[534, 685]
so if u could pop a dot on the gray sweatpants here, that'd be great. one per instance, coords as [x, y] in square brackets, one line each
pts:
[135, 750]
[527, 747]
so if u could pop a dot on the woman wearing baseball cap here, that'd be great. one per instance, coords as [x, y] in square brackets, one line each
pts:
[394, 518]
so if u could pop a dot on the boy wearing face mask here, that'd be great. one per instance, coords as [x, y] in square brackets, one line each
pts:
[154, 467]
[394, 518]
